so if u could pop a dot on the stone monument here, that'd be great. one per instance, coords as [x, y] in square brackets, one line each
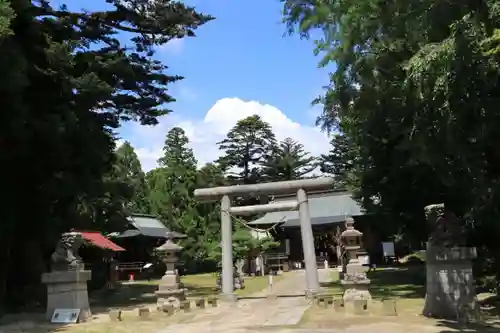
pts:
[238, 280]
[450, 291]
[67, 281]
[355, 283]
[170, 289]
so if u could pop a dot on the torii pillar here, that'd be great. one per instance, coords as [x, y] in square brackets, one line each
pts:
[298, 187]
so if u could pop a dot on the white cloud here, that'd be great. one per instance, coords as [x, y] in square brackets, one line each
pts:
[222, 116]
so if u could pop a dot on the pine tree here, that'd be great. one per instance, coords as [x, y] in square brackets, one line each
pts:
[247, 146]
[289, 161]
[127, 169]
[173, 183]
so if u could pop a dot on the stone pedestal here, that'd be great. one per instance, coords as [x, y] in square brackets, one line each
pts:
[67, 290]
[356, 290]
[356, 284]
[450, 291]
[170, 289]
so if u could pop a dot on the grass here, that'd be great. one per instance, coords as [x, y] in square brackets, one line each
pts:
[202, 285]
[418, 256]
[131, 295]
[388, 283]
[405, 284]
[128, 298]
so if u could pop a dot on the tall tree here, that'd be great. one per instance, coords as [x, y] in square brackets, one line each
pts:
[289, 161]
[67, 80]
[210, 175]
[340, 161]
[172, 196]
[175, 180]
[127, 169]
[415, 90]
[247, 146]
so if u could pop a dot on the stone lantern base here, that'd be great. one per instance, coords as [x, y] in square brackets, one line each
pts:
[170, 290]
[354, 290]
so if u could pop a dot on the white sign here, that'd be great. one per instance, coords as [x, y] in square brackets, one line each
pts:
[388, 249]
[65, 316]
[364, 260]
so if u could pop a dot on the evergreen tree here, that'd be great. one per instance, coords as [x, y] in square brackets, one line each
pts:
[289, 161]
[415, 94]
[67, 79]
[127, 169]
[174, 181]
[172, 187]
[247, 146]
[340, 160]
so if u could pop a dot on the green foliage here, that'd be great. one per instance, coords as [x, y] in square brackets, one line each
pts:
[414, 93]
[127, 169]
[6, 17]
[247, 146]
[340, 160]
[288, 161]
[244, 244]
[172, 184]
[171, 189]
[68, 78]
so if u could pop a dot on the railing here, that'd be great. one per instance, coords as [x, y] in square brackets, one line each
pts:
[130, 266]
[276, 260]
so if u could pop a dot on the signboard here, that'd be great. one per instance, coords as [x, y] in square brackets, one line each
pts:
[287, 246]
[65, 316]
[364, 260]
[388, 249]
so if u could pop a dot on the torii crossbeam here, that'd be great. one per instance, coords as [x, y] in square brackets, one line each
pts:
[298, 187]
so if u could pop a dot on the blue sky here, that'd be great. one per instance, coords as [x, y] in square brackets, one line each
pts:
[240, 63]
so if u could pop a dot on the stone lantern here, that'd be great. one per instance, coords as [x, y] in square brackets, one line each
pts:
[355, 282]
[170, 289]
[352, 240]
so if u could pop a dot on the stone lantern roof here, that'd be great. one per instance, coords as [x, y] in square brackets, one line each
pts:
[169, 245]
[350, 231]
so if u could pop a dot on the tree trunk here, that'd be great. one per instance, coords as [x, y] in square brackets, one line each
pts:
[5, 259]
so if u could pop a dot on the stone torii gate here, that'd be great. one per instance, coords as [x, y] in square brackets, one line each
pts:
[298, 187]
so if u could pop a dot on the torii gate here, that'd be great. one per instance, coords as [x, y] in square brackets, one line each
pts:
[298, 187]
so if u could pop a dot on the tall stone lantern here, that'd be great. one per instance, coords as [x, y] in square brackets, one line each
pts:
[170, 289]
[355, 283]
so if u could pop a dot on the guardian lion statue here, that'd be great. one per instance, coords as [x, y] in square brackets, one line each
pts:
[65, 256]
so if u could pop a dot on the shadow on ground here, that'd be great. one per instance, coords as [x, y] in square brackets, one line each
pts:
[126, 297]
[274, 296]
[400, 282]
[407, 282]
[452, 327]
[29, 323]
[129, 296]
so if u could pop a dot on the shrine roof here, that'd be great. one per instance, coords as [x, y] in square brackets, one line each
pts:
[146, 225]
[325, 208]
[97, 239]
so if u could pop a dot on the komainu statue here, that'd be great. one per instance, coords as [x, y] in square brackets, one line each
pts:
[65, 256]
[446, 229]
